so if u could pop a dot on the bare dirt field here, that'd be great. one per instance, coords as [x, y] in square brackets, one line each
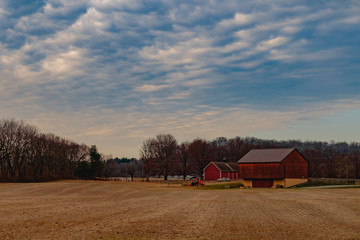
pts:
[116, 210]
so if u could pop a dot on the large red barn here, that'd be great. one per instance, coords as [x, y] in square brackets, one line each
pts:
[271, 167]
[218, 170]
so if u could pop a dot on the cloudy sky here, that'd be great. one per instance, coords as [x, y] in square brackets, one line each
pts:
[115, 72]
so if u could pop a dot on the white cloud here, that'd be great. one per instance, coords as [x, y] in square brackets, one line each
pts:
[235, 46]
[68, 63]
[271, 43]
[151, 88]
[291, 29]
[115, 4]
[180, 95]
[351, 20]
[250, 64]
[279, 55]
[239, 19]
[196, 82]
[3, 13]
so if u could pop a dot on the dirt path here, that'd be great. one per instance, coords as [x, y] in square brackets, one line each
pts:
[108, 210]
[335, 186]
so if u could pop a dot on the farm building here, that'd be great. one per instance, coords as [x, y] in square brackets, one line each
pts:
[271, 167]
[218, 170]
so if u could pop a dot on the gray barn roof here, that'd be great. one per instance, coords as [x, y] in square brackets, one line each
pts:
[266, 155]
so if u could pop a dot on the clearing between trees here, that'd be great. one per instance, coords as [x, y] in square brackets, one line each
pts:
[127, 210]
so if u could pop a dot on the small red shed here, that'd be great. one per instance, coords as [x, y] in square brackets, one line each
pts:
[271, 167]
[218, 170]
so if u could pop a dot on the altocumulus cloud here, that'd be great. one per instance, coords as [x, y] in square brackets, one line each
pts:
[113, 73]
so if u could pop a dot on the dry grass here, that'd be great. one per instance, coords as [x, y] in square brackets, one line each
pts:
[116, 210]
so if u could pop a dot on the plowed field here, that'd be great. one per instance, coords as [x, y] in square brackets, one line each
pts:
[116, 210]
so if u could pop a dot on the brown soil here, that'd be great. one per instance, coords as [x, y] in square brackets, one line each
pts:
[115, 210]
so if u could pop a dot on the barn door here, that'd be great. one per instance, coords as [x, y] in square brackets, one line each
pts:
[262, 183]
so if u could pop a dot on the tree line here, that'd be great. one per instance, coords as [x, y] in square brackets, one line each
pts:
[29, 155]
[163, 156]
[26, 154]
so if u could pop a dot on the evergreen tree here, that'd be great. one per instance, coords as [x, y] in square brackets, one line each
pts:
[96, 165]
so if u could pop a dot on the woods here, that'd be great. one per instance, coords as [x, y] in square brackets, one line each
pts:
[26, 154]
[328, 160]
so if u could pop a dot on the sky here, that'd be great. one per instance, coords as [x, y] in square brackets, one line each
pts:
[113, 73]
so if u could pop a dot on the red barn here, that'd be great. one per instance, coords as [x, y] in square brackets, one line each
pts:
[217, 170]
[272, 167]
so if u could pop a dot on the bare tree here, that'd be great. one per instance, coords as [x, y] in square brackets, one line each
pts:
[236, 149]
[6, 138]
[344, 167]
[201, 154]
[111, 168]
[15, 145]
[147, 157]
[356, 160]
[131, 169]
[165, 153]
[220, 149]
[183, 159]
